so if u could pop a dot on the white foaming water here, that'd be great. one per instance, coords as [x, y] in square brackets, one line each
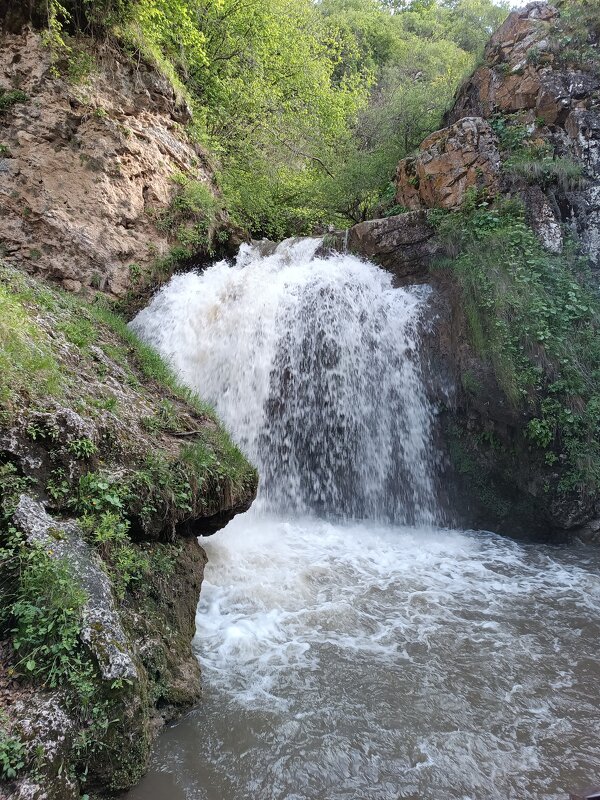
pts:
[360, 660]
[313, 365]
[367, 662]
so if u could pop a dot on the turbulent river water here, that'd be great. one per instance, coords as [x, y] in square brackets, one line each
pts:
[350, 646]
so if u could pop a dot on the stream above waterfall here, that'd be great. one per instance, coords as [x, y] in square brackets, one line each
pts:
[350, 646]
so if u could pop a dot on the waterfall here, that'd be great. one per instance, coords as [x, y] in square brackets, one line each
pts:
[343, 656]
[312, 362]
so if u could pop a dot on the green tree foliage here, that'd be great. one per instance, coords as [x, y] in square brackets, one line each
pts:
[306, 105]
[418, 52]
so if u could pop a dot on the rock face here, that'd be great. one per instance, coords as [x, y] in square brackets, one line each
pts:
[111, 470]
[525, 120]
[403, 244]
[86, 169]
[449, 162]
[509, 81]
[524, 81]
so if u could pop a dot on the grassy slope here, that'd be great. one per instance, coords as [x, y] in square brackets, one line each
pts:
[94, 424]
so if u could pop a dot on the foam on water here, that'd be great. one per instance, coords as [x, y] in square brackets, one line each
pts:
[365, 661]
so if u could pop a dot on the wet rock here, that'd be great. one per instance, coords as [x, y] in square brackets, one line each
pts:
[403, 244]
[48, 732]
[542, 218]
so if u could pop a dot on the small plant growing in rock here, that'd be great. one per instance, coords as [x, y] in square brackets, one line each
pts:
[82, 448]
[135, 272]
[13, 754]
[43, 430]
[10, 97]
[57, 486]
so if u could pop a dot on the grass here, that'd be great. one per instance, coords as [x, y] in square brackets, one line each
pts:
[27, 364]
[545, 170]
[149, 362]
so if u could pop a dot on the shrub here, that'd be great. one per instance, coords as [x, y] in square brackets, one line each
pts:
[535, 317]
[13, 754]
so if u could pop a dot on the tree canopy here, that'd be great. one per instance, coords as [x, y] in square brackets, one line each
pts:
[307, 104]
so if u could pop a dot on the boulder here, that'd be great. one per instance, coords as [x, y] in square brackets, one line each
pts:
[102, 630]
[449, 162]
[403, 244]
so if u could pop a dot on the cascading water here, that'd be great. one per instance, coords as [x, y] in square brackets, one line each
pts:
[345, 655]
[313, 365]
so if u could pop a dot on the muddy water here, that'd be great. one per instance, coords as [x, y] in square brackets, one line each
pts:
[365, 661]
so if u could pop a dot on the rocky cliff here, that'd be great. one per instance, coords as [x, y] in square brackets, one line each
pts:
[101, 187]
[109, 471]
[513, 364]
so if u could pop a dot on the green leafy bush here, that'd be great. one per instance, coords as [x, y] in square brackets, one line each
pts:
[13, 754]
[536, 318]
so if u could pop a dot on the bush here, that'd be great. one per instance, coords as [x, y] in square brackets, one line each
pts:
[536, 318]
[13, 754]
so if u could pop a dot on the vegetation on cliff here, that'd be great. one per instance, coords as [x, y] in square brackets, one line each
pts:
[535, 317]
[93, 423]
[307, 128]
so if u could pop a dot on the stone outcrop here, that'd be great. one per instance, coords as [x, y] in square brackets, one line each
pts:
[93, 436]
[86, 168]
[509, 81]
[449, 162]
[525, 80]
[404, 244]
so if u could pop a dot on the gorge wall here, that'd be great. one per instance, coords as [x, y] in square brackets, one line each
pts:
[524, 127]
[108, 469]
[101, 187]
